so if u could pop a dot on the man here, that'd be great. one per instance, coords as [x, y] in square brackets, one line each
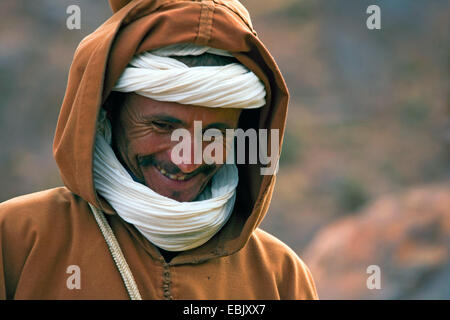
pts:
[140, 215]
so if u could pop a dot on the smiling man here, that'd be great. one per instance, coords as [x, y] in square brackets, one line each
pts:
[133, 221]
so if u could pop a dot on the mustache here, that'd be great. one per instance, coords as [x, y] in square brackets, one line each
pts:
[171, 168]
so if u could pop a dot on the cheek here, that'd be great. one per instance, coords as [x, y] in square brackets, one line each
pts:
[149, 144]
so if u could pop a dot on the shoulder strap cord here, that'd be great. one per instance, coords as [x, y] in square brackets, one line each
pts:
[117, 254]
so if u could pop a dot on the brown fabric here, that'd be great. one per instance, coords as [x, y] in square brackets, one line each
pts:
[42, 234]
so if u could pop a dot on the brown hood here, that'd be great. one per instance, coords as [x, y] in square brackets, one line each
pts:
[142, 25]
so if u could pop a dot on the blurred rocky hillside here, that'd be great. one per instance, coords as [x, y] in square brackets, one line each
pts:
[406, 234]
[367, 143]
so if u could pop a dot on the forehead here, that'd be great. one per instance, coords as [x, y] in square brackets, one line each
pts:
[145, 107]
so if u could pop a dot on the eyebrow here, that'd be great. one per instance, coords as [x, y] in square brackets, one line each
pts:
[170, 119]
[217, 125]
[163, 117]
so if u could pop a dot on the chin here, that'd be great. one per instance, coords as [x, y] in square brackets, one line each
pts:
[180, 196]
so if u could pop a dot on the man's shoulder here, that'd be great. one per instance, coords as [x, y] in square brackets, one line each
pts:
[38, 207]
[293, 275]
[272, 244]
[51, 198]
[276, 252]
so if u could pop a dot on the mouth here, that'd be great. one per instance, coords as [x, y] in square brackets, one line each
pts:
[169, 182]
[176, 177]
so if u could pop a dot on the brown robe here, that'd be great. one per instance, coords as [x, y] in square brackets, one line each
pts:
[43, 234]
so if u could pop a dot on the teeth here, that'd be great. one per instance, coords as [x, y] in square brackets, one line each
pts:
[171, 176]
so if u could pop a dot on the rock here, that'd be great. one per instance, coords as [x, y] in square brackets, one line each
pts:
[406, 235]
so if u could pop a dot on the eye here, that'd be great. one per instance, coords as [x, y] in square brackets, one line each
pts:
[162, 126]
[213, 132]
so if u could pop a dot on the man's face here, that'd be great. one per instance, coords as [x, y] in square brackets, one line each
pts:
[142, 141]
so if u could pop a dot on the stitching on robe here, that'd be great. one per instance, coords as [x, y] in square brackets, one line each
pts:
[205, 22]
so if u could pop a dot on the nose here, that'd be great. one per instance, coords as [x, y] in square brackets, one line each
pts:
[189, 164]
[188, 168]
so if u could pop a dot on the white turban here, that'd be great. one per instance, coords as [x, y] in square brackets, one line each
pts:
[157, 76]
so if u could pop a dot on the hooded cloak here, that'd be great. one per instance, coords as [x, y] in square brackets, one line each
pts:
[45, 234]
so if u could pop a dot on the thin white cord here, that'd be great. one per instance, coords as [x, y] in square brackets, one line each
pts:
[117, 255]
